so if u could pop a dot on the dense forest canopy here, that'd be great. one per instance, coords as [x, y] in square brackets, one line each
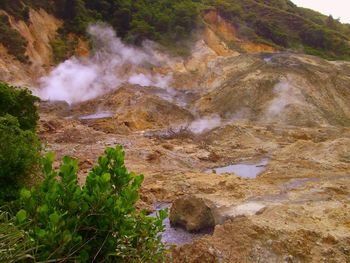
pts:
[279, 23]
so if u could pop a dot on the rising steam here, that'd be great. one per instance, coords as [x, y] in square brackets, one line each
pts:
[112, 64]
[205, 124]
[286, 94]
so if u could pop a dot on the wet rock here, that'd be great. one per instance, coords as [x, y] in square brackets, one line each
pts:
[192, 213]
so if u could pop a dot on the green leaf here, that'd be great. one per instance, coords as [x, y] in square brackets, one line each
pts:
[106, 177]
[43, 209]
[54, 218]
[21, 216]
[67, 236]
[40, 233]
[47, 162]
[25, 194]
[73, 205]
[138, 180]
[163, 214]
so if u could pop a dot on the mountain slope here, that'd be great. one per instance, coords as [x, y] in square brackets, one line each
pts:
[278, 23]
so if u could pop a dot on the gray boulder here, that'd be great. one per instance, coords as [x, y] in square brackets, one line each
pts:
[192, 213]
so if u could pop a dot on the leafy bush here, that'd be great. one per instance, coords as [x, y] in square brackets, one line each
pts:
[19, 103]
[97, 222]
[63, 47]
[19, 145]
[19, 155]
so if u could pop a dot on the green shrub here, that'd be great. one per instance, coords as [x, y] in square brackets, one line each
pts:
[19, 103]
[19, 145]
[19, 155]
[97, 222]
[63, 47]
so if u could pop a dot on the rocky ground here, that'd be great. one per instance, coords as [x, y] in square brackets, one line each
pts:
[297, 210]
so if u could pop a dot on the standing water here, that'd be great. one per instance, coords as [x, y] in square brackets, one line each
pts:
[242, 169]
[174, 235]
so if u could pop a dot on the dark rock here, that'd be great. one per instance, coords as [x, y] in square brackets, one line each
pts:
[192, 213]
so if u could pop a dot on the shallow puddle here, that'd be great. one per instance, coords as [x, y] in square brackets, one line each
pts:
[242, 169]
[174, 235]
[299, 183]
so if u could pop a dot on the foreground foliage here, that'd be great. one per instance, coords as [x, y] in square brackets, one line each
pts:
[19, 155]
[15, 245]
[20, 103]
[97, 222]
[19, 144]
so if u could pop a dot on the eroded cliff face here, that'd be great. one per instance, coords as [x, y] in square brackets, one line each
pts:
[38, 31]
[227, 32]
[13, 71]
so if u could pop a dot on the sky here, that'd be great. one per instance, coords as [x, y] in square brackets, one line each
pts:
[336, 8]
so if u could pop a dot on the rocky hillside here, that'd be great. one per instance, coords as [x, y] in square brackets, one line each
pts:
[226, 72]
[277, 23]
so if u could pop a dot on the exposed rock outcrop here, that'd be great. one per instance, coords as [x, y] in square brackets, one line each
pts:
[38, 31]
[192, 213]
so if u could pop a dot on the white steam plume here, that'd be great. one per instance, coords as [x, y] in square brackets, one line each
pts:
[205, 124]
[112, 65]
[286, 94]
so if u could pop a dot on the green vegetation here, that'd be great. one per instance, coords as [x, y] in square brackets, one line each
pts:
[165, 21]
[19, 155]
[63, 47]
[97, 222]
[12, 40]
[160, 20]
[282, 24]
[19, 103]
[279, 23]
[57, 219]
[15, 245]
[20, 9]
[19, 145]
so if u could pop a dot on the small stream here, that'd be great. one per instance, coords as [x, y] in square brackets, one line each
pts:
[244, 170]
[174, 235]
